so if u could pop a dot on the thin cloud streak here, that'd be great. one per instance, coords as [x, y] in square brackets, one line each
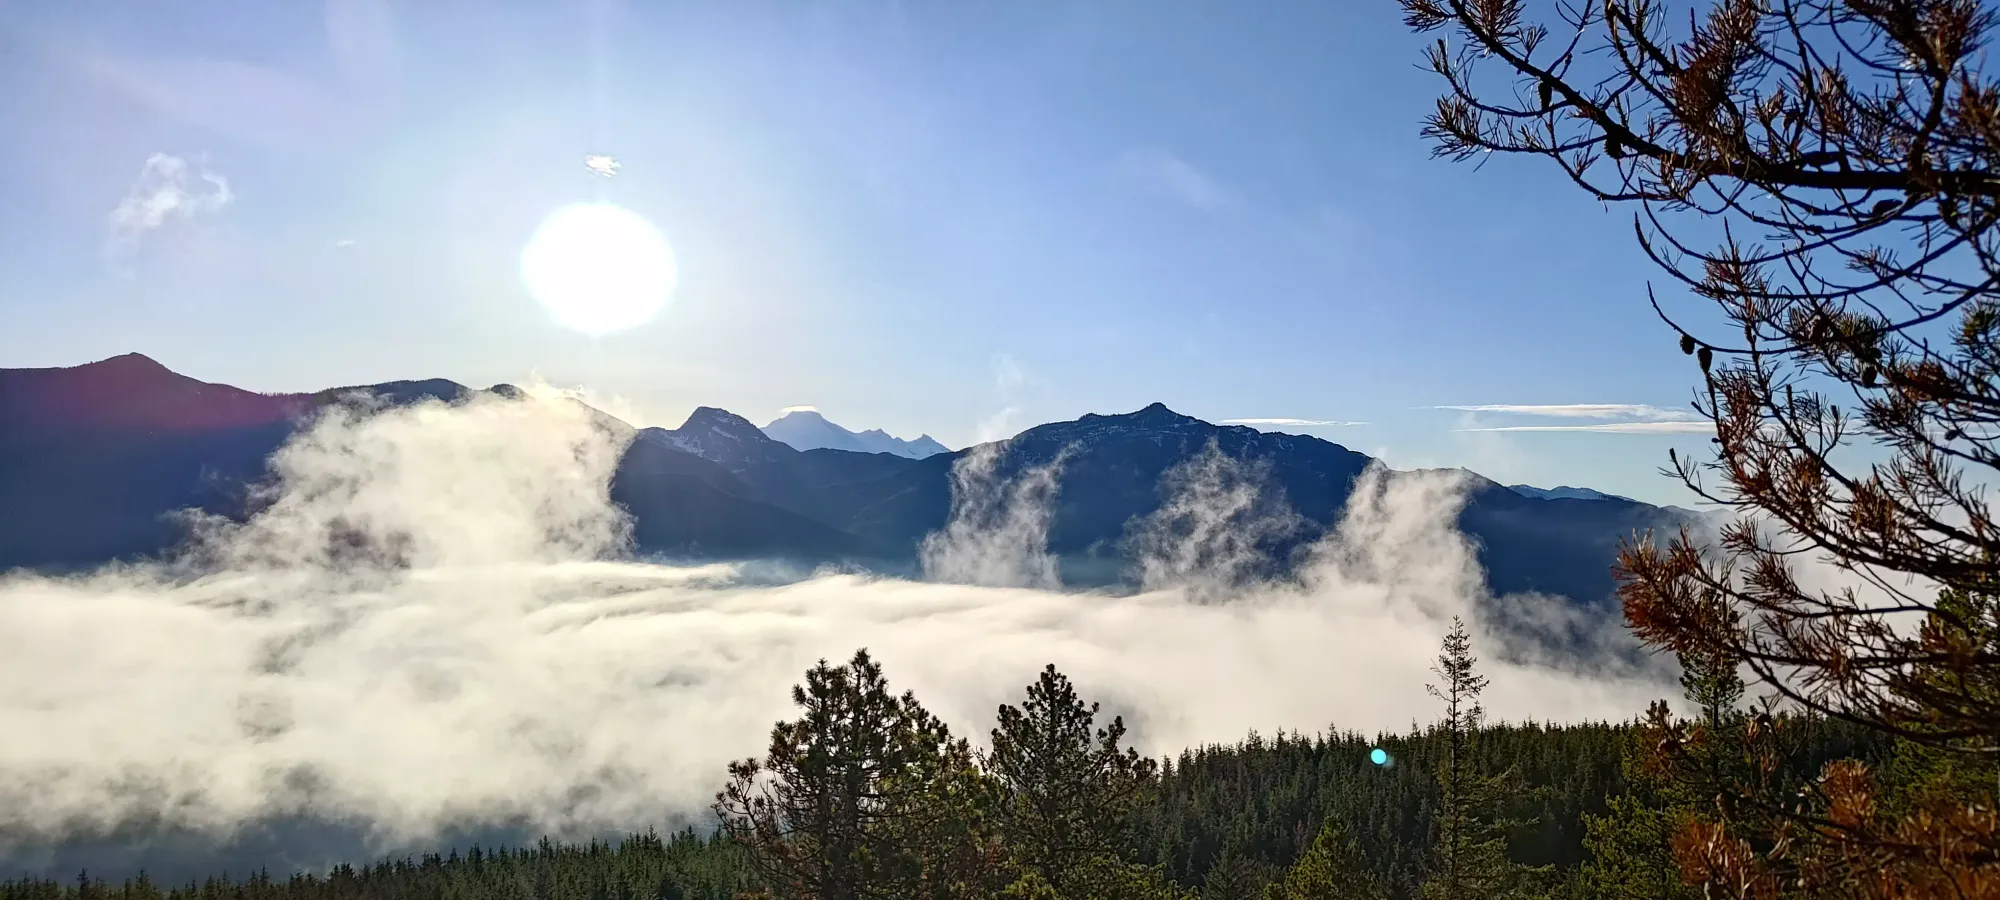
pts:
[1171, 176]
[1613, 428]
[1641, 411]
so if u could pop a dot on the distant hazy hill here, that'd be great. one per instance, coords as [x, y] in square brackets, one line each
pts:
[805, 429]
[95, 459]
[1564, 492]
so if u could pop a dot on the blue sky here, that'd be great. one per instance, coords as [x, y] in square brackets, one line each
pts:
[960, 219]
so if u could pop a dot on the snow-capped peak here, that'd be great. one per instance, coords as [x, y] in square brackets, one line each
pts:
[806, 429]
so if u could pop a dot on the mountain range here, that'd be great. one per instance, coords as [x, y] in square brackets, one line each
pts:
[806, 429]
[95, 461]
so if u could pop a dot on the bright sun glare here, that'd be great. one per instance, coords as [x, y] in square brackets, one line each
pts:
[599, 268]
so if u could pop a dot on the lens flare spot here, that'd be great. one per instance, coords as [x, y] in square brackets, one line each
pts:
[1378, 756]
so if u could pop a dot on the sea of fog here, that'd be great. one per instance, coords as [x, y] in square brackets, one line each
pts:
[426, 636]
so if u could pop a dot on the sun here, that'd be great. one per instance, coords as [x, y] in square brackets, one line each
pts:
[599, 268]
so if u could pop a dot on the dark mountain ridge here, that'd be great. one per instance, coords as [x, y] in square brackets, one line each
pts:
[95, 460]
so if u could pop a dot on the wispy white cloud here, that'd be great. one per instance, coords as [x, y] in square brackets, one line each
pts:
[168, 188]
[1176, 178]
[1694, 427]
[1640, 411]
[1007, 372]
[344, 244]
[793, 409]
[1008, 377]
[1291, 423]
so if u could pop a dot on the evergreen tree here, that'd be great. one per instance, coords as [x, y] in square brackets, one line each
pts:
[1233, 878]
[1469, 861]
[947, 825]
[1965, 624]
[1331, 869]
[1630, 850]
[1103, 878]
[1066, 791]
[1629, 859]
[844, 805]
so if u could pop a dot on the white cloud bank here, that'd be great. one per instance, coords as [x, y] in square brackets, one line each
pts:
[423, 630]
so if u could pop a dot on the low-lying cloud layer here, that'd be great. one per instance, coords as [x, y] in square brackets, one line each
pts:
[427, 627]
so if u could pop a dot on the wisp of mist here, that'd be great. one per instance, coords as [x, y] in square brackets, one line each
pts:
[432, 623]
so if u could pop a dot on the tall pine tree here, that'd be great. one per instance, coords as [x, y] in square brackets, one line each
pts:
[1469, 861]
[846, 804]
[1067, 791]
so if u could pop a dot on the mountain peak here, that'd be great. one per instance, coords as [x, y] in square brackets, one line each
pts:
[720, 436]
[722, 420]
[1153, 414]
[132, 363]
[130, 391]
[1158, 412]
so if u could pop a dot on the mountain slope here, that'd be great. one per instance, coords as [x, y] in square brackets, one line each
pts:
[770, 471]
[681, 506]
[96, 462]
[95, 458]
[1112, 470]
[129, 393]
[1110, 474]
[808, 430]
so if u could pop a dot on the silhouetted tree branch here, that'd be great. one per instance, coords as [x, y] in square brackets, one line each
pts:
[1822, 172]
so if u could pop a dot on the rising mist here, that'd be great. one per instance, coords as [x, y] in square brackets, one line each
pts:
[431, 626]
